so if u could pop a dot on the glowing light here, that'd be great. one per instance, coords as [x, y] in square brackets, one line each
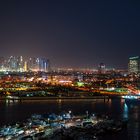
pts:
[80, 84]
[125, 111]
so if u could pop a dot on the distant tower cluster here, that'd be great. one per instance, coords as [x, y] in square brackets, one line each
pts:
[101, 68]
[19, 64]
[38, 64]
[133, 65]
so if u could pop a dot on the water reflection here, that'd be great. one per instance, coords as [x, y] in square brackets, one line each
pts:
[109, 103]
[11, 102]
[125, 111]
[59, 104]
[132, 111]
[18, 111]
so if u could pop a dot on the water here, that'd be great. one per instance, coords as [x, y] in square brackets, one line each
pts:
[19, 111]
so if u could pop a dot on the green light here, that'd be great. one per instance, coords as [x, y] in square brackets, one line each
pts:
[80, 84]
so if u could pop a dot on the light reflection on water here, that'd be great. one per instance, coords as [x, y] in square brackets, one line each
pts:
[125, 111]
[18, 111]
[134, 123]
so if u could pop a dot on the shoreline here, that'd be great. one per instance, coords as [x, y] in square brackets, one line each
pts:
[102, 97]
[54, 126]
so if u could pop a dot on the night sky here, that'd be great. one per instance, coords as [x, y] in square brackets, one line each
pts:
[71, 33]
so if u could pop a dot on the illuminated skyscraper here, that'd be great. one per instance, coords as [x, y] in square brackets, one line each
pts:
[38, 64]
[133, 65]
[43, 64]
[12, 63]
[101, 68]
[25, 66]
[20, 64]
[32, 64]
[2, 63]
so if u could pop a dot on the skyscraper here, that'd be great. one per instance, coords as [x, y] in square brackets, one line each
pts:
[38, 64]
[43, 64]
[133, 65]
[2, 63]
[12, 63]
[101, 68]
[20, 64]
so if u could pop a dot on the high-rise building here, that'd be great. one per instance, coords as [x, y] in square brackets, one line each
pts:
[133, 65]
[12, 63]
[32, 64]
[20, 64]
[101, 68]
[43, 64]
[38, 64]
[25, 66]
[2, 63]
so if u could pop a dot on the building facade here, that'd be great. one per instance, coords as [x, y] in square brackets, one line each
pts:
[133, 65]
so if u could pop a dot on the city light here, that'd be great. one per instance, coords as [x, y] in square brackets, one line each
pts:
[20, 64]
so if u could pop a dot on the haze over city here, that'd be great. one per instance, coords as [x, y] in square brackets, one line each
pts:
[71, 33]
[69, 70]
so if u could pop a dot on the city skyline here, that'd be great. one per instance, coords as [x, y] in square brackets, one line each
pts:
[27, 59]
[22, 64]
[71, 33]
[69, 69]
